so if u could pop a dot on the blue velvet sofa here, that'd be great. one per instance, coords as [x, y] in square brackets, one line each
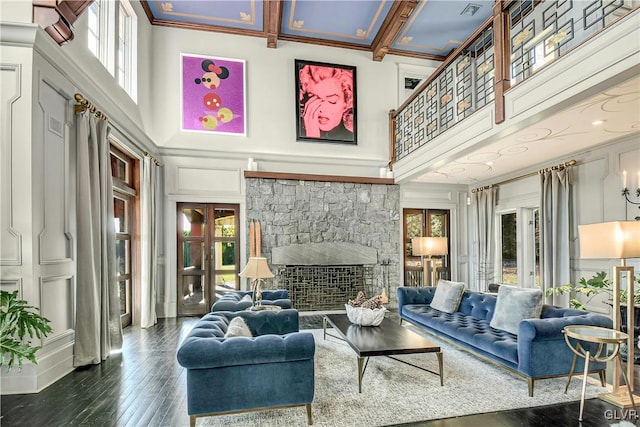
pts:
[232, 301]
[273, 369]
[538, 350]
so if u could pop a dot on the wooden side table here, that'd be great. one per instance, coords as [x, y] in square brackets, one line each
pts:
[602, 337]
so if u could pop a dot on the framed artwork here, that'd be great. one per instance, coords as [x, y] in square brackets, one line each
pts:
[325, 102]
[213, 95]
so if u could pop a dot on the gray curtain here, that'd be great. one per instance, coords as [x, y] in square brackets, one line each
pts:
[484, 202]
[554, 232]
[149, 249]
[97, 330]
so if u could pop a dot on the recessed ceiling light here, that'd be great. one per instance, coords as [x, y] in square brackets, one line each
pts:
[471, 9]
[597, 122]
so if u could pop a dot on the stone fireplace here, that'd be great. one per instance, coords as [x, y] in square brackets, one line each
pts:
[328, 239]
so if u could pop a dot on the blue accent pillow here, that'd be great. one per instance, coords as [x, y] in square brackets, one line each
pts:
[447, 296]
[515, 304]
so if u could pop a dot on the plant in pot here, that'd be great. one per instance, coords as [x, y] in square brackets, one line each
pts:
[18, 319]
[597, 285]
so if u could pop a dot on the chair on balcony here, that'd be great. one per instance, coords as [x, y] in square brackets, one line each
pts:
[237, 301]
[274, 368]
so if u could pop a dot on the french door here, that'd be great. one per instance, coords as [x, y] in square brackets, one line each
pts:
[424, 223]
[208, 254]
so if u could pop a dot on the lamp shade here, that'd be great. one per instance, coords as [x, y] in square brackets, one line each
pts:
[256, 268]
[429, 246]
[615, 239]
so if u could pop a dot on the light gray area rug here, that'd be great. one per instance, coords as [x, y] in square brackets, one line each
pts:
[393, 392]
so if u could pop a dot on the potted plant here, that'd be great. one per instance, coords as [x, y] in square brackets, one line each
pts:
[597, 285]
[18, 319]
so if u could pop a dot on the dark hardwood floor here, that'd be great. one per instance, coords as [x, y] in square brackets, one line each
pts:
[145, 386]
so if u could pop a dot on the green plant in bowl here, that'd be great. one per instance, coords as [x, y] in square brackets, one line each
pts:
[596, 285]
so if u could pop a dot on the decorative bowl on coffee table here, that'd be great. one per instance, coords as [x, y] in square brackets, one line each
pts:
[365, 316]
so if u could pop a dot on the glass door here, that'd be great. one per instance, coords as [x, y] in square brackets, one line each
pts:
[208, 255]
[424, 223]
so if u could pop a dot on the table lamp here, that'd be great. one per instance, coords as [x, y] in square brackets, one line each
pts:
[256, 270]
[429, 246]
[616, 239]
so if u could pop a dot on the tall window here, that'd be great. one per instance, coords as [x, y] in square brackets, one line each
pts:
[95, 26]
[124, 172]
[519, 247]
[509, 245]
[112, 39]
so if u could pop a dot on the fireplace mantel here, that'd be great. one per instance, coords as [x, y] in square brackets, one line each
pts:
[312, 177]
[324, 253]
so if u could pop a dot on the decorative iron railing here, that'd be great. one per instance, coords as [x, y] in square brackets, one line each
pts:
[534, 33]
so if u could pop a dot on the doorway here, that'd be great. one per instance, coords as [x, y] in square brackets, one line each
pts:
[208, 254]
[424, 223]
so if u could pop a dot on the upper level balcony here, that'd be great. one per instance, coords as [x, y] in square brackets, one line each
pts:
[523, 89]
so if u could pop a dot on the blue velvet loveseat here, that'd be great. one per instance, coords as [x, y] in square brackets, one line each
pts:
[233, 301]
[538, 350]
[272, 369]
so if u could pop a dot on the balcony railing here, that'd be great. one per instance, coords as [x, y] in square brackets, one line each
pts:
[521, 38]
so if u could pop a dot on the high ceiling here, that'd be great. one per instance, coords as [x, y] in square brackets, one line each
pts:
[427, 29]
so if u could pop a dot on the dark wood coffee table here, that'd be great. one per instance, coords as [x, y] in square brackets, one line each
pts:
[388, 339]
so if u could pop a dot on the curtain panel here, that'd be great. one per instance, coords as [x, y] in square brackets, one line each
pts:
[555, 224]
[98, 329]
[149, 244]
[484, 203]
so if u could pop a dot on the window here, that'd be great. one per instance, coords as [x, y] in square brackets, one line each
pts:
[509, 248]
[518, 253]
[124, 171]
[112, 30]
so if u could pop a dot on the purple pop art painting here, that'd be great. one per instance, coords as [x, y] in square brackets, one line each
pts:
[213, 94]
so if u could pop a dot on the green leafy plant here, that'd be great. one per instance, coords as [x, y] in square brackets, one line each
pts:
[18, 319]
[596, 285]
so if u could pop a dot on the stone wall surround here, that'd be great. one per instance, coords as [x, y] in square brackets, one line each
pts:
[294, 212]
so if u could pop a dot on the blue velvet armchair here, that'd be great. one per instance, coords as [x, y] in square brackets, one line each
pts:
[273, 369]
[232, 301]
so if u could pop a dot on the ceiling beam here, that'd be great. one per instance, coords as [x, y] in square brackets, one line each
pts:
[393, 23]
[57, 17]
[272, 21]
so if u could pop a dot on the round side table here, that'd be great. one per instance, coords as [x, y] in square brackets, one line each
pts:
[595, 335]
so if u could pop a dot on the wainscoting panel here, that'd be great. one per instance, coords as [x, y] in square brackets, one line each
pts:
[55, 239]
[201, 180]
[56, 304]
[10, 238]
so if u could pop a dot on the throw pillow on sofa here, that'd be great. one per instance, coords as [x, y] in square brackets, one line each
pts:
[447, 296]
[247, 297]
[238, 328]
[515, 304]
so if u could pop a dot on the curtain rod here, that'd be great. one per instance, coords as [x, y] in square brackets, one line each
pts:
[152, 157]
[552, 168]
[84, 104]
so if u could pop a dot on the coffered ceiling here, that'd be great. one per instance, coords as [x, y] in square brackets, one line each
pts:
[428, 29]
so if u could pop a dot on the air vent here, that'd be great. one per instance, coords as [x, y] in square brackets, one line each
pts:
[410, 83]
[471, 9]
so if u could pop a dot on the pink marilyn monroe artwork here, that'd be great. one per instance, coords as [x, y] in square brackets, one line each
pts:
[213, 94]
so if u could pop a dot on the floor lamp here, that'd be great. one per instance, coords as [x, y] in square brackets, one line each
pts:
[429, 246]
[256, 270]
[616, 239]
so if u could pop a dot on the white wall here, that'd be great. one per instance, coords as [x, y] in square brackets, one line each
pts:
[270, 90]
